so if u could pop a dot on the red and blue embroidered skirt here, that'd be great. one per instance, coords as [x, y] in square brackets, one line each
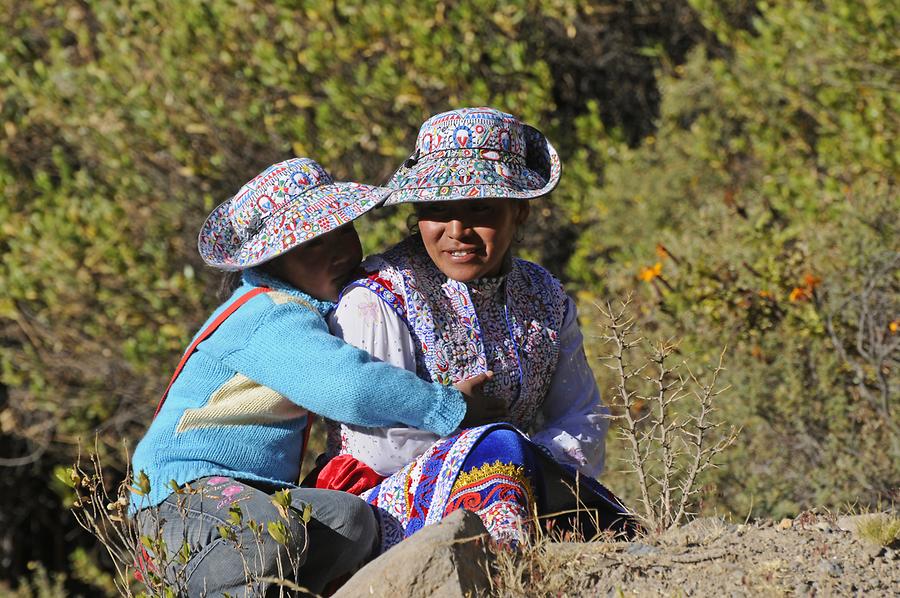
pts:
[499, 474]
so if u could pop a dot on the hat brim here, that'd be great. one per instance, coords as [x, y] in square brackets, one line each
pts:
[322, 210]
[461, 177]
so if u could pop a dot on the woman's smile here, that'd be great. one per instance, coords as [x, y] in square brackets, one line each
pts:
[464, 255]
[468, 240]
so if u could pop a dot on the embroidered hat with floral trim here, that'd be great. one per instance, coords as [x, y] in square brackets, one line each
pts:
[472, 153]
[287, 204]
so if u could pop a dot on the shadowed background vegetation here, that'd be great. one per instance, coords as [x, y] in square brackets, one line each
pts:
[735, 169]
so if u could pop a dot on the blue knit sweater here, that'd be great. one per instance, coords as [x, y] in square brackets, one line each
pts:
[239, 406]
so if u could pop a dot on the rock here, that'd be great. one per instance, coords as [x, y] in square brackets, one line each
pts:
[698, 531]
[803, 588]
[873, 551]
[824, 526]
[444, 560]
[786, 523]
[641, 549]
[830, 567]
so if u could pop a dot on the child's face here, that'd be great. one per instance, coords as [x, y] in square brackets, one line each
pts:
[322, 266]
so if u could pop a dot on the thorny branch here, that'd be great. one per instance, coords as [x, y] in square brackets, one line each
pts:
[670, 442]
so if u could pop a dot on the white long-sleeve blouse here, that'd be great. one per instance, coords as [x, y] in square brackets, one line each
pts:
[572, 423]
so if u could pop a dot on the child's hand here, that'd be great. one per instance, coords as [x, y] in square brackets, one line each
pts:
[480, 408]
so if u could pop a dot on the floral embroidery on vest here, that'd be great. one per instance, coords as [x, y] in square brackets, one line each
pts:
[508, 324]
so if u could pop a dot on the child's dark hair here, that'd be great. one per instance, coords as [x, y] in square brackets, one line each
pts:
[230, 281]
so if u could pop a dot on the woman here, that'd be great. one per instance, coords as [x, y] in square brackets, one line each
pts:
[450, 302]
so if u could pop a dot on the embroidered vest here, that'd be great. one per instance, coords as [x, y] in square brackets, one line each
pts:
[510, 324]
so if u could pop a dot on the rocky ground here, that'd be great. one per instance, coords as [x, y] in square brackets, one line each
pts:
[813, 555]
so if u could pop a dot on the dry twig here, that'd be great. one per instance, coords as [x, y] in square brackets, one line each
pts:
[670, 442]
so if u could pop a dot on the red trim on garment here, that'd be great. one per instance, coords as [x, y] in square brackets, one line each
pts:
[205, 334]
[348, 474]
[387, 284]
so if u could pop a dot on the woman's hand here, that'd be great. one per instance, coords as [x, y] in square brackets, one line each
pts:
[480, 408]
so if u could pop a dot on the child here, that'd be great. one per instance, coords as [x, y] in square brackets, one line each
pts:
[230, 429]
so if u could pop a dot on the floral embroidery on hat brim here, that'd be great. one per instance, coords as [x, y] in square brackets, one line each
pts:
[471, 174]
[472, 153]
[323, 209]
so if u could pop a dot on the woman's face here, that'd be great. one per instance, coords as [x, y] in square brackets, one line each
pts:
[468, 239]
[322, 266]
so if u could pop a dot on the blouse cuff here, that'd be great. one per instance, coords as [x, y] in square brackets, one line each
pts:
[569, 450]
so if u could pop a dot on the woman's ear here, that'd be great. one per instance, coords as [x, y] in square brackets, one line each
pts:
[522, 214]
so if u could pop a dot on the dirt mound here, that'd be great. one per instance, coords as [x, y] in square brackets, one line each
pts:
[811, 556]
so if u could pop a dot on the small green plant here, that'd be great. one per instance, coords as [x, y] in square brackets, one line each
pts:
[882, 529]
[147, 566]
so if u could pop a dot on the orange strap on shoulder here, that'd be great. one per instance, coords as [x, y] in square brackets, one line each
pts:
[205, 334]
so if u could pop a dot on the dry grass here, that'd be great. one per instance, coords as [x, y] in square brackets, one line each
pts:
[144, 565]
[547, 565]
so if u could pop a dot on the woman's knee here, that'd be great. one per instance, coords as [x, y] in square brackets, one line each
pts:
[361, 523]
[509, 444]
[507, 436]
[343, 533]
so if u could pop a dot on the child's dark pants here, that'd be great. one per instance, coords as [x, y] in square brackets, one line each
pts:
[339, 537]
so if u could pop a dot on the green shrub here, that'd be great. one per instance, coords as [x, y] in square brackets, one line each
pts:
[759, 174]
[762, 216]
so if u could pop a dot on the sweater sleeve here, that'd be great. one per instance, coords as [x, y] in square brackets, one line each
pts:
[576, 419]
[292, 352]
[365, 321]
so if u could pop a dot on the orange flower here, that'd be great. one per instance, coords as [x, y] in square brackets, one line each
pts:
[894, 326]
[798, 294]
[661, 251]
[638, 406]
[649, 273]
[765, 294]
[811, 281]
[805, 292]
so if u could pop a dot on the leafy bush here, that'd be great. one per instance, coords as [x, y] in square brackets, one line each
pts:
[762, 216]
[741, 162]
